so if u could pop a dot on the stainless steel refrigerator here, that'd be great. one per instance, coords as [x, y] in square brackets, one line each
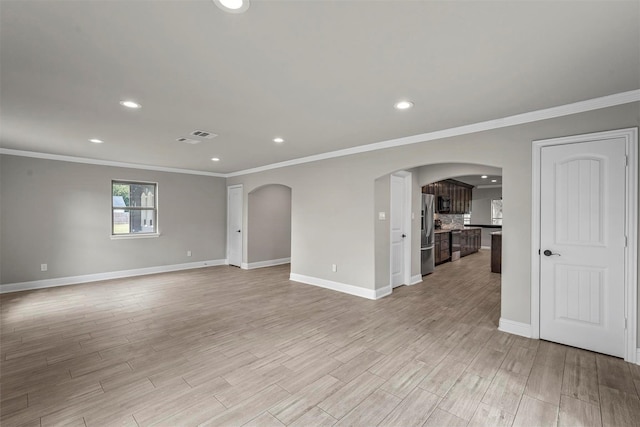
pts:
[427, 234]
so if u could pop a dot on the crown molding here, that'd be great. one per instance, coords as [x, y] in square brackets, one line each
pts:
[86, 160]
[518, 119]
[481, 186]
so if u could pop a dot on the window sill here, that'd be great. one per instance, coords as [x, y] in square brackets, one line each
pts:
[134, 236]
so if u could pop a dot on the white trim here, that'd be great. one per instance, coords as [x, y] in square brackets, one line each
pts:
[269, 263]
[88, 161]
[518, 119]
[75, 280]
[515, 328]
[416, 279]
[340, 287]
[383, 292]
[631, 230]
[631, 253]
[134, 236]
[485, 247]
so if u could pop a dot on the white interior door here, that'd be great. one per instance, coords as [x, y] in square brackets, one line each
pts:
[582, 240]
[398, 232]
[234, 225]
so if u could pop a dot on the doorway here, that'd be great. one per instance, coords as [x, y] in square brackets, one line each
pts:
[400, 225]
[584, 265]
[269, 226]
[416, 177]
[234, 225]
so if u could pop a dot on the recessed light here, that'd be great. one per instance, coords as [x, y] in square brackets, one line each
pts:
[215, 159]
[278, 140]
[484, 177]
[96, 141]
[232, 6]
[130, 104]
[494, 180]
[403, 105]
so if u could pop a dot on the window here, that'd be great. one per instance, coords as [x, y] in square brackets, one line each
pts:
[134, 208]
[496, 212]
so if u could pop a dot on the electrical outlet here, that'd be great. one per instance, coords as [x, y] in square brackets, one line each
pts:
[334, 267]
[188, 253]
[43, 267]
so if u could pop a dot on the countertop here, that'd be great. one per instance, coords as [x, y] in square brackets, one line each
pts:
[449, 230]
[485, 225]
[497, 233]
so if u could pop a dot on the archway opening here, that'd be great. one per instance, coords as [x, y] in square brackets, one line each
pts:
[268, 226]
[479, 215]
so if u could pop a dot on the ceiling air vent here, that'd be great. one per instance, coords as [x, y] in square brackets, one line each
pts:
[203, 134]
[188, 141]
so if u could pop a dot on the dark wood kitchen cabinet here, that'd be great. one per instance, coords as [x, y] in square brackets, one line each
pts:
[470, 241]
[456, 193]
[442, 247]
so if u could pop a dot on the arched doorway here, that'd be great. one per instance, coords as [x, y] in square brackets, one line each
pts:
[268, 226]
[420, 176]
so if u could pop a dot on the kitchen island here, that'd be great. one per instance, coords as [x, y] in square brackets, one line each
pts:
[496, 252]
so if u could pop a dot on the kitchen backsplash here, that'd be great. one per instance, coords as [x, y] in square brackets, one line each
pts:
[451, 221]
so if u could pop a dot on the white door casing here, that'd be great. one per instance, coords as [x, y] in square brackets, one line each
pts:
[585, 197]
[234, 225]
[400, 209]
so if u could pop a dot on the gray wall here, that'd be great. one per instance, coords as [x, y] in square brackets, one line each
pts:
[481, 210]
[269, 223]
[58, 213]
[382, 199]
[334, 201]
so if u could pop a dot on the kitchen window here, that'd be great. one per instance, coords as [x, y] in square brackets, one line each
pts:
[134, 208]
[496, 212]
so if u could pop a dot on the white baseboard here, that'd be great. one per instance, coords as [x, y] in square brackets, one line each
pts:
[269, 263]
[74, 280]
[340, 287]
[416, 279]
[515, 328]
[485, 247]
[383, 292]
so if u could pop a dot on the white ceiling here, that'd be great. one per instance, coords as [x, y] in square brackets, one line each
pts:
[324, 75]
[479, 182]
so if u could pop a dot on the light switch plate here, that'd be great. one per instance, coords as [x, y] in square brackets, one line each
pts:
[382, 216]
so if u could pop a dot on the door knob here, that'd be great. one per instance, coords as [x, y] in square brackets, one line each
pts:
[238, 231]
[404, 235]
[547, 252]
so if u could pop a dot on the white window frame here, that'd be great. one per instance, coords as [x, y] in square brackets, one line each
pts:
[494, 219]
[137, 235]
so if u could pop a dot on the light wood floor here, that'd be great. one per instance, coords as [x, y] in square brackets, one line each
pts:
[221, 346]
